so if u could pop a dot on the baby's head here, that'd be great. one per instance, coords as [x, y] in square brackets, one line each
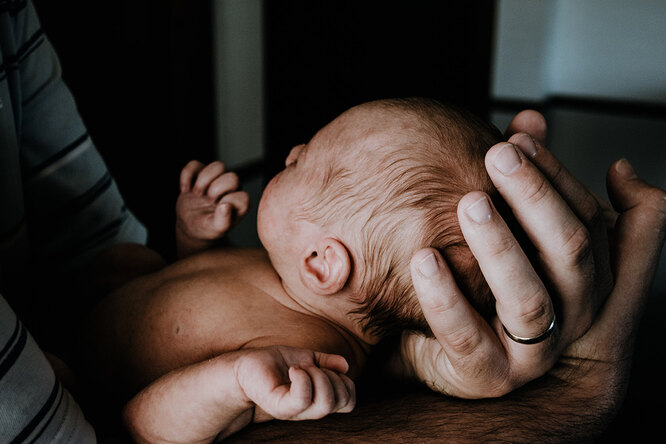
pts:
[378, 183]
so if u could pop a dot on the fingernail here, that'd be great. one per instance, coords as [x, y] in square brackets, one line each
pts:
[625, 169]
[479, 211]
[526, 144]
[507, 159]
[428, 266]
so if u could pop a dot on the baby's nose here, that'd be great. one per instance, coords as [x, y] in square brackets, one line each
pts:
[293, 154]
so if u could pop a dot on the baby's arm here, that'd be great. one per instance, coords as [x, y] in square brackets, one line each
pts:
[215, 398]
[208, 205]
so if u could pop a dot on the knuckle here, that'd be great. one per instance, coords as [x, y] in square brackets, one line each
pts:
[536, 191]
[591, 212]
[465, 340]
[533, 310]
[557, 172]
[592, 215]
[503, 246]
[442, 306]
[577, 246]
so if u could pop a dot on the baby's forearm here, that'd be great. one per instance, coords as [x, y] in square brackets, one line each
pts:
[194, 404]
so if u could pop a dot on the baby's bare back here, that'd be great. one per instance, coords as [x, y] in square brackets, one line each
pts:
[212, 303]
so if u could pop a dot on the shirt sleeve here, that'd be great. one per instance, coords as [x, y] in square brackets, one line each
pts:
[34, 406]
[72, 204]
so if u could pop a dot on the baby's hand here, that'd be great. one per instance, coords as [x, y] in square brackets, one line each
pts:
[293, 384]
[208, 205]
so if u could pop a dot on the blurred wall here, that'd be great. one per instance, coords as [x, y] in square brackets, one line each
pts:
[238, 70]
[611, 49]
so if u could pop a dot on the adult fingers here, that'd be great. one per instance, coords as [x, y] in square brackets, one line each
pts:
[462, 334]
[562, 241]
[206, 176]
[639, 237]
[527, 131]
[581, 201]
[524, 306]
[188, 173]
[531, 122]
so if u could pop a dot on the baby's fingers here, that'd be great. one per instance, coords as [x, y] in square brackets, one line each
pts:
[345, 392]
[221, 221]
[285, 401]
[240, 203]
[300, 392]
[206, 176]
[222, 185]
[188, 173]
[323, 395]
[229, 211]
[336, 363]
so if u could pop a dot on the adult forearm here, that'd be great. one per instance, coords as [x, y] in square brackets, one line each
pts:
[547, 410]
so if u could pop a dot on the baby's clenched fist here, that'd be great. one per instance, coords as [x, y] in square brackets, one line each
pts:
[209, 204]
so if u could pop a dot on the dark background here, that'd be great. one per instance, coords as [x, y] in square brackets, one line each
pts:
[141, 73]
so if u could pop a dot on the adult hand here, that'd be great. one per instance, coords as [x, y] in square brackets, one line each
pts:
[577, 272]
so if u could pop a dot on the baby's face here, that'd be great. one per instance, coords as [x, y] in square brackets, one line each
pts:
[280, 198]
[282, 201]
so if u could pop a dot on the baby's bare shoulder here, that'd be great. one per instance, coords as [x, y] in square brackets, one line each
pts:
[221, 301]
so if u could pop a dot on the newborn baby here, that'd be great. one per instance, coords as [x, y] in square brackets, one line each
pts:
[339, 226]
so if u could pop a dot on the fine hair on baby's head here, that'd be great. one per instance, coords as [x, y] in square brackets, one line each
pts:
[395, 189]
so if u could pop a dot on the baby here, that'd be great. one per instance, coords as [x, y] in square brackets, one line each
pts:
[257, 334]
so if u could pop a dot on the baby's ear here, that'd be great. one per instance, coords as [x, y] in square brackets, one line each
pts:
[325, 268]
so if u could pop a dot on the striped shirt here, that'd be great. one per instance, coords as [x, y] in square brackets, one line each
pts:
[34, 407]
[59, 206]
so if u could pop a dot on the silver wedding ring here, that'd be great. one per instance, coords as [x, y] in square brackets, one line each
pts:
[535, 340]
